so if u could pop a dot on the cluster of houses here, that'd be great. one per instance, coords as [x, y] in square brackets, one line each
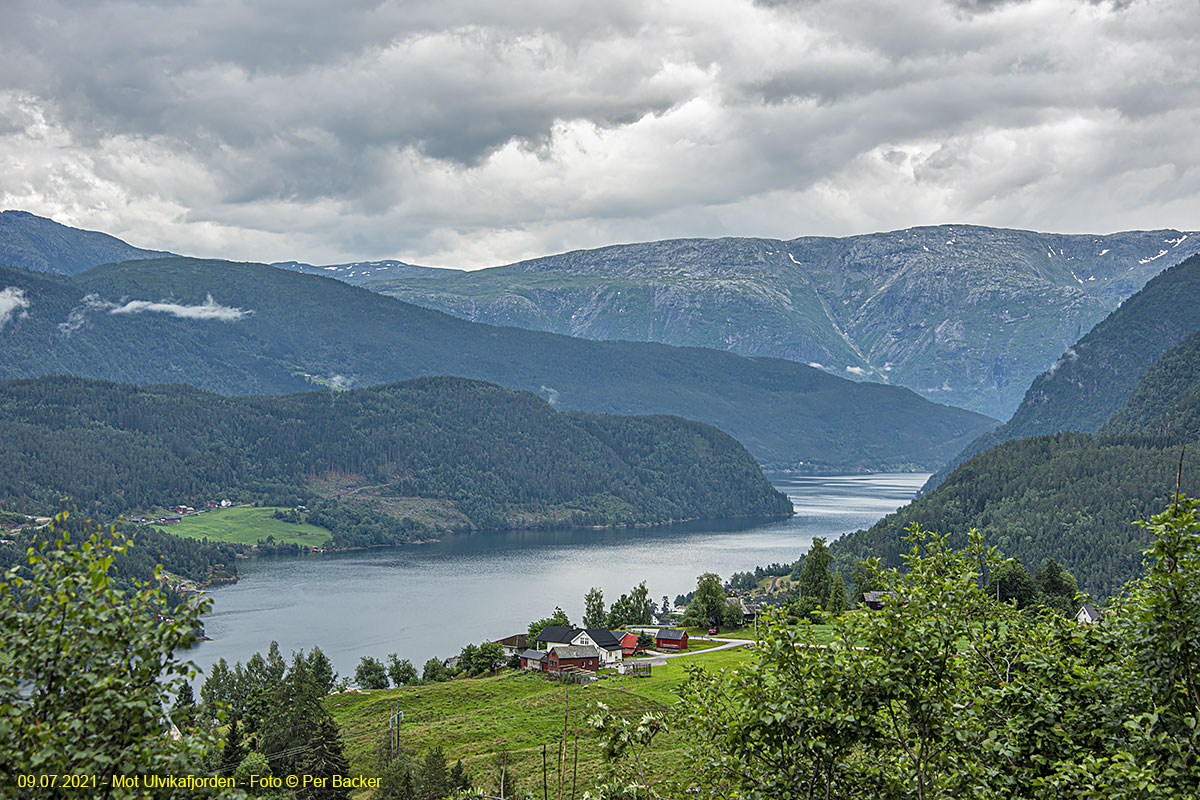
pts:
[561, 650]
[180, 513]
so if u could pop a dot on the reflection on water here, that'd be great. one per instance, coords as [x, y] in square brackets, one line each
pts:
[428, 600]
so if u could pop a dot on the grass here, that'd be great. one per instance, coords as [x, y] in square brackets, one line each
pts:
[246, 525]
[520, 713]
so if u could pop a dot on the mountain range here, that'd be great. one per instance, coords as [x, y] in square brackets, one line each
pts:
[961, 314]
[239, 328]
[964, 315]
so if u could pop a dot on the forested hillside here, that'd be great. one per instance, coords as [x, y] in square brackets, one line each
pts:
[1097, 375]
[1070, 496]
[1166, 400]
[497, 457]
[962, 314]
[249, 328]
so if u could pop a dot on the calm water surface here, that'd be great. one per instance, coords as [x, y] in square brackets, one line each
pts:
[428, 600]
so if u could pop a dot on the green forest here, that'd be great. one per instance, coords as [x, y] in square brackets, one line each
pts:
[502, 458]
[1069, 496]
[1097, 375]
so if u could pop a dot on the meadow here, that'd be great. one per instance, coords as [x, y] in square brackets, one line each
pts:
[246, 525]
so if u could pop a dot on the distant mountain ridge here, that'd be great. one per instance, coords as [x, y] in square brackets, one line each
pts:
[33, 242]
[238, 328]
[358, 273]
[962, 314]
[1097, 375]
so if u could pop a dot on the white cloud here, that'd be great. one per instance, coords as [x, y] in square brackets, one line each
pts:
[468, 134]
[209, 309]
[12, 304]
[859, 371]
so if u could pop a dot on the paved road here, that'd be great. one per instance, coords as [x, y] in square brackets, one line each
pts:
[658, 657]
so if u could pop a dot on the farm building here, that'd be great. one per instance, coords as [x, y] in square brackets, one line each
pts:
[606, 642]
[572, 657]
[670, 639]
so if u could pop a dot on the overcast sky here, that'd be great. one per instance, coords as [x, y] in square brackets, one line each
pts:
[473, 133]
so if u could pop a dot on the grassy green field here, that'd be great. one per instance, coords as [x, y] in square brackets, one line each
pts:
[520, 712]
[245, 525]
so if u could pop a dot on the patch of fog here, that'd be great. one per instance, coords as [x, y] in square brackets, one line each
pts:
[209, 309]
[1070, 355]
[12, 304]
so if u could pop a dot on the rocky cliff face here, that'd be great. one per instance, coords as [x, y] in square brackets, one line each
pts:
[963, 315]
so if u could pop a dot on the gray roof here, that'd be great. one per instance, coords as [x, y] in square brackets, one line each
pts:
[670, 634]
[576, 652]
[558, 633]
[535, 655]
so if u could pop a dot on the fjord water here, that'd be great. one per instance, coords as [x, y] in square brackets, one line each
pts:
[425, 600]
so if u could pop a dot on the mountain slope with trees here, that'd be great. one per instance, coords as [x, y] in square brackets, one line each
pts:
[501, 458]
[240, 328]
[1069, 496]
[962, 314]
[1097, 375]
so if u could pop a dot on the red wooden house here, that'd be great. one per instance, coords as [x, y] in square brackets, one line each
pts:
[628, 642]
[670, 639]
[572, 657]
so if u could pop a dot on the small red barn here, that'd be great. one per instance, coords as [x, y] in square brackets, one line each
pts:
[670, 639]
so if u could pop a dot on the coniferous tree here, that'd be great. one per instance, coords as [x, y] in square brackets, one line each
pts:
[295, 713]
[458, 779]
[233, 752]
[396, 782]
[837, 597]
[321, 670]
[184, 711]
[217, 691]
[434, 776]
[324, 759]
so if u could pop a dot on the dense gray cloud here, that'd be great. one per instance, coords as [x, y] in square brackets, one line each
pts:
[470, 133]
